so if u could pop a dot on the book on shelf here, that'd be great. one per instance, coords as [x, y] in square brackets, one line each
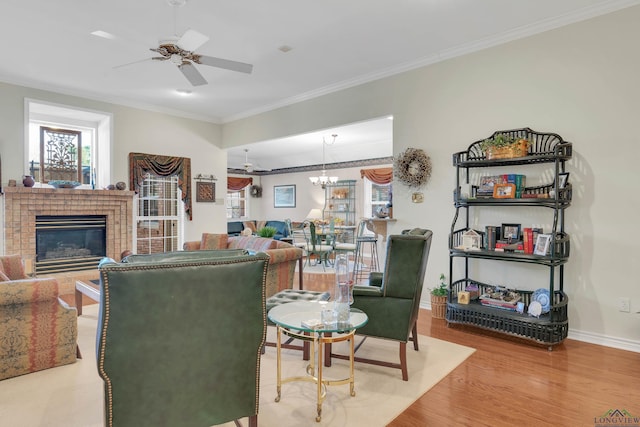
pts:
[502, 306]
[507, 246]
[487, 183]
[527, 238]
[518, 180]
[490, 235]
[535, 196]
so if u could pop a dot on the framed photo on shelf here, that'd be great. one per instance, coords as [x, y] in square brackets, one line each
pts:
[284, 196]
[510, 232]
[542, 244]
[504, 191]
[563, 178]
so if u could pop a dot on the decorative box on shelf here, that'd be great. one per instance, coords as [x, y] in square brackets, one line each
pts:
[464, 297]
[474, 292]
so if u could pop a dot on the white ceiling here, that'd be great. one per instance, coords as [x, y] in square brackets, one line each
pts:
[335, 44]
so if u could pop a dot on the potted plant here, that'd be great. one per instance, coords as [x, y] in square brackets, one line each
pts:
[501, 146]
[439, 299]
[268, 232]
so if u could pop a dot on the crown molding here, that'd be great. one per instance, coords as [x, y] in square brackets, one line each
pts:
[310, 168]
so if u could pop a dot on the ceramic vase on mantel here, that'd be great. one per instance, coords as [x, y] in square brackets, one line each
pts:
[28, 181]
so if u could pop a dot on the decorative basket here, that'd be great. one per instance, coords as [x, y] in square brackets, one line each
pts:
[517, 149]
[438, 306]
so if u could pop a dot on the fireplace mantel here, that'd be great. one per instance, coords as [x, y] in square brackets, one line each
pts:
[23, 204]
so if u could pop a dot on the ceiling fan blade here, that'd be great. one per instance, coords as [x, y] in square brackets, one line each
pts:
[134, 62]
[224, 63]
[191, 40]
[192, 74]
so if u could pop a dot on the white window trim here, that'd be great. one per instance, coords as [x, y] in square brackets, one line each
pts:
[247, 205]
[368, 191]
[179, 217]
[100, 121]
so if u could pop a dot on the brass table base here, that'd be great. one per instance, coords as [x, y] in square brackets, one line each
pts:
[318, 340]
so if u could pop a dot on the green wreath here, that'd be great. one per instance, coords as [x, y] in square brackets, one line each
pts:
[413, 167]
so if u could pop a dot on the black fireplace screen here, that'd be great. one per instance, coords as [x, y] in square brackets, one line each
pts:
[69, 242]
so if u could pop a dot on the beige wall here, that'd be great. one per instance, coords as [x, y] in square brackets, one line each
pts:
[580, 81]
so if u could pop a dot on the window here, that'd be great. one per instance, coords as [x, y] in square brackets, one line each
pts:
[159, 215]
[375, 197]
[62, 156]
[237, 204]
[68, 143]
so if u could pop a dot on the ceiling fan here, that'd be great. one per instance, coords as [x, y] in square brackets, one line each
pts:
[180, 51]
[248, 166]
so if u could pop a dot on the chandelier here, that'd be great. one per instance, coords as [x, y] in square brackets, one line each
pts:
[323, 179]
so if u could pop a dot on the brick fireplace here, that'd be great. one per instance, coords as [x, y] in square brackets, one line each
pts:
[23, 205]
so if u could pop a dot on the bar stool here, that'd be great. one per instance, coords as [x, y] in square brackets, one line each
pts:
[360, 269]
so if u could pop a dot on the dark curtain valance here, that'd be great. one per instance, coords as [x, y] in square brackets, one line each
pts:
[140, 164]
[379, 176]
[237, 184]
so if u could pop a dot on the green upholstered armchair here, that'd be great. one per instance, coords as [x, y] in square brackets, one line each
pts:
[392, 298]
[180, 338]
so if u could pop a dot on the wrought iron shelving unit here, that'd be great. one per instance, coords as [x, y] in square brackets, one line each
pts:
[550, 328]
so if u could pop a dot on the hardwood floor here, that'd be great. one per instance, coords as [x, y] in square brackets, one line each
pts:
[509, 382]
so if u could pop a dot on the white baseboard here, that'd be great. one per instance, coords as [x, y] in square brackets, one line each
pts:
[590, 337]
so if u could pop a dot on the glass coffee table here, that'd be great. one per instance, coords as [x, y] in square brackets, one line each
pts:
[90, 288]
[301, 320]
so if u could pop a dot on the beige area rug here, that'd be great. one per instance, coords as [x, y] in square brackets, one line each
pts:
[72, 395]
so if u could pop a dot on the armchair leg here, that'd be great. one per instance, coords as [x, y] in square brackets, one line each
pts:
[403, 361]
[78, 354]
[253, 421]
[414, 336]
[402, 365]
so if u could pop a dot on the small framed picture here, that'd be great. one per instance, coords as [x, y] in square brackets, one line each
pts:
[542, 244]
[284, 196]
[205, 191]
[510, 232]
[563, 178]
[504, 191]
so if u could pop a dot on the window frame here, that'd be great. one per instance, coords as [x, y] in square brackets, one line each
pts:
[95, 125]
[149, 201]
[369, 203]
[243, 198]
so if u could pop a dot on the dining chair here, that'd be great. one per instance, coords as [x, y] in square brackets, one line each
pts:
[340, 246]
[315, 246]
[364, 242]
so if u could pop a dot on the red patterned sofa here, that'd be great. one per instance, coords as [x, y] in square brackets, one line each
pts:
[37, 330]
[282, 256]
